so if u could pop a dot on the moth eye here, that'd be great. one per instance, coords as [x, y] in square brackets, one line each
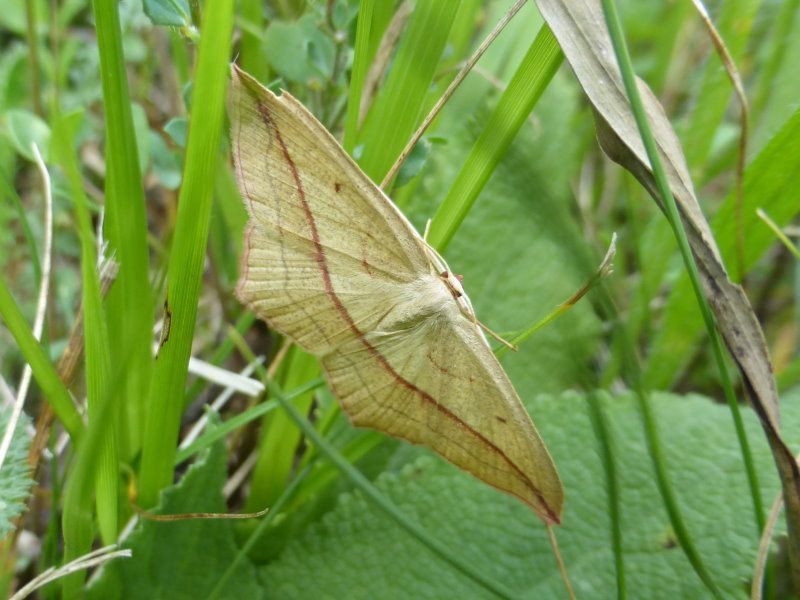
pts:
[444, 274]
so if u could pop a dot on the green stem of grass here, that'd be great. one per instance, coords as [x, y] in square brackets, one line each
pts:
[185, 270]
[603, 435]
[240, 420]
[32, 23]
[96, 343]
[129, 302]
[620, 48]
[44, 372]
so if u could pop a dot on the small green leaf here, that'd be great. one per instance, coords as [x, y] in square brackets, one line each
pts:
[178, 130]
[415, 161]
[343, 14]
[299, 51]
[142, 131]
[166, 162]
[172, 13]
[23, 128]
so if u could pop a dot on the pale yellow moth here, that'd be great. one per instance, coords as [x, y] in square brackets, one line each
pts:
[331, 263]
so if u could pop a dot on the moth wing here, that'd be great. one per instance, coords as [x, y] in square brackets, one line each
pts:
[324, 248]
[439, 384]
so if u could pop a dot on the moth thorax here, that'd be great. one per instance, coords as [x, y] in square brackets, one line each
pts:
[417, 304]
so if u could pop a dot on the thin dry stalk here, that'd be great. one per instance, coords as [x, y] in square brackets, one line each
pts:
[41, 303]
[744, 120]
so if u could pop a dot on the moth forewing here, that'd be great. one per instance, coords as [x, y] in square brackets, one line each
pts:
[332, 264]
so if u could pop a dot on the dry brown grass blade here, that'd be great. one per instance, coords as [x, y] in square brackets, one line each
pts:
[580, 28]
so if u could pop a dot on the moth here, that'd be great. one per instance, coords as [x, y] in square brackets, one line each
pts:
[332, 263]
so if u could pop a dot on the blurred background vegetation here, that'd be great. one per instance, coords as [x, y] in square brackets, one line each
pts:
[106, 91]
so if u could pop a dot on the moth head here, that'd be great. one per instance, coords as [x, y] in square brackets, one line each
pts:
[453, 283]
[450, 280]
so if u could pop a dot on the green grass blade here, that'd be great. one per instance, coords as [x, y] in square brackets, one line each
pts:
[230, 227]
[735, 20]
[325, 474]
[165, 401]
[96, 343]
[43, 370]
[529, 81]
[777, 43]
[79, 487]
[130, 303]
[603, 435]
[358, 72]
[397, 108]
[240, 420]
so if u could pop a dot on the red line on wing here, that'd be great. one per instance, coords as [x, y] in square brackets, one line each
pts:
[326, 278]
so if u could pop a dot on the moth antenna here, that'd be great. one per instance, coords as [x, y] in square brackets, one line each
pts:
[499, 338]
[427, 229]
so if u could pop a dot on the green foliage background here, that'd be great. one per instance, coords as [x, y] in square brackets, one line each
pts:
[114, 103]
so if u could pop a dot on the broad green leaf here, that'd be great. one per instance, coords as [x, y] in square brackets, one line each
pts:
[181, 559]
[355, 551]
